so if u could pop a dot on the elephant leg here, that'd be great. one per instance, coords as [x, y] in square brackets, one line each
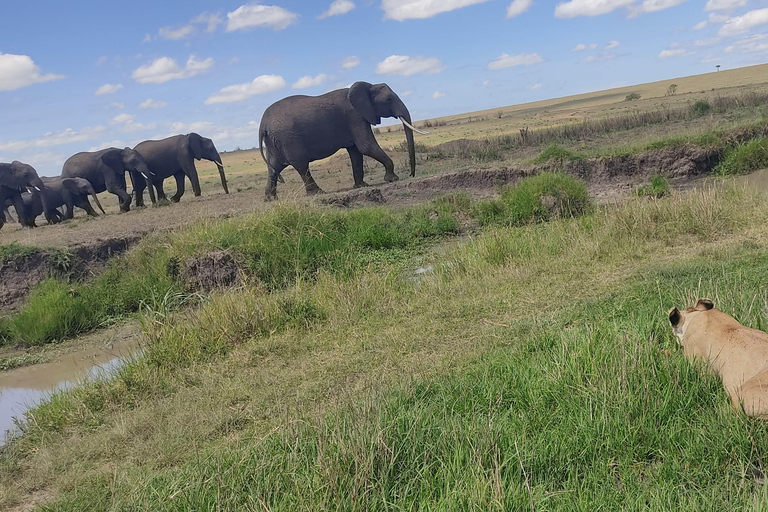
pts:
[357, 166]
[83, 203]
[139, 184]
[117, 187]
[159, 189]
[273, 174]
[309, 182]
[180, 177]
[374, 151]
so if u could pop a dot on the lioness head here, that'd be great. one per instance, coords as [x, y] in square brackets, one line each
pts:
[679, 319]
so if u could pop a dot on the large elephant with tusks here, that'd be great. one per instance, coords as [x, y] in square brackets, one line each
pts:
[301, 129]
[175, 156]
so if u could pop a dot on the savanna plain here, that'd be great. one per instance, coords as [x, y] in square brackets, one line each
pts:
[490, 335]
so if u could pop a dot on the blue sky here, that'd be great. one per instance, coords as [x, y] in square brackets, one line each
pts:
[85, 74]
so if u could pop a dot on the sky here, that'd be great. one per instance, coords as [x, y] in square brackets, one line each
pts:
[82, 75]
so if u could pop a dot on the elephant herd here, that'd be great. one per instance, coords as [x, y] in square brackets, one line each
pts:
[89, 173]
[294, 131]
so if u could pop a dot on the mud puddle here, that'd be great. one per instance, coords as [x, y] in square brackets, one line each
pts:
[24, 388]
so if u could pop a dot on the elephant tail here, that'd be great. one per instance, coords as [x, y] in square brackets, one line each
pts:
[263, 139]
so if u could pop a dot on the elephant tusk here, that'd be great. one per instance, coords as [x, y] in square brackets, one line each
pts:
[219, 163]
[409, 125]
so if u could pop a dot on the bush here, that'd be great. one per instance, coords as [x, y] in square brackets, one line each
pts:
[632, 96]
[700, 108]
[658, 188]
[555, 152]
[536, 199]
[744, 158]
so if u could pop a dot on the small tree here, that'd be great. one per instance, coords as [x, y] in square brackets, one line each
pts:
[672, 90]
[632, 96]
[718, 67]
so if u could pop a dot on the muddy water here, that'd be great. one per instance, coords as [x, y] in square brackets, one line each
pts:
[26, 387]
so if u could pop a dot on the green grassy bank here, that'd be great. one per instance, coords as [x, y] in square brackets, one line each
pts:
[533, 368]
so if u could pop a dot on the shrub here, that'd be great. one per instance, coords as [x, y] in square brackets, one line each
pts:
[557, 153]
[658, 188]
[700, 108]
[632, 96]
[536, 199]
[744, 158]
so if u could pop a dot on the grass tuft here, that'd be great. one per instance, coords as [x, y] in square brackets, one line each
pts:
[658, 188]
[744, 158]
[556, 153]
[539, 198]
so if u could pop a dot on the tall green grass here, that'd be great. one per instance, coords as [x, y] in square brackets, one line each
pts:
[744, 158]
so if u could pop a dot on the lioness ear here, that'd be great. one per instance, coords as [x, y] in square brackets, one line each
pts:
[704, 305]
[674, 317]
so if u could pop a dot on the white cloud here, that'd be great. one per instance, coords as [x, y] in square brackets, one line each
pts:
[401, 10]
[309, 81]
[581, 47]
[127, 123]
[718, 18]
[337, 8]
[147, 39]
[108, 89]
[17, 71]
[117, 105]
[486, 83]
[404, 65]
[54, 139]
[406, 94]
[350, 62]
[724, 5]
[679, 52]
[150, 103]
[707, 42]
[260, 85]
[111, 144]
[175, 34]
[575, 8]
[212, 21]
[438, 95]
[749, 44]
[250, 16]
[741, 24]
[523, 59]
[709, 59]
[535, 87]
[701, 25]
[612, 45]
[518, 7]
[652, 6]
[199, 126]
[165, 69]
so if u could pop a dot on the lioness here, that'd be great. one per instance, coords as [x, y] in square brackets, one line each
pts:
[737, 353]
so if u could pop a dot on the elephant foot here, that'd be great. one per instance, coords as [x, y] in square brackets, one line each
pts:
[313, 191]
[268, 198]
[361, 184]
[389, 178]
[175, 199]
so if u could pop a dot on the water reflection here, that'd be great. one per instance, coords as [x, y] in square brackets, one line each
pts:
[24, 388]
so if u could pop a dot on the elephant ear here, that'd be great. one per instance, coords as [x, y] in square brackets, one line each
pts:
[195, 145]
[360, 97]
[113, 159]
[71, 185]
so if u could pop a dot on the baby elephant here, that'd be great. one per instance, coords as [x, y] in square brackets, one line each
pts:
[69, 192]
[738, 354]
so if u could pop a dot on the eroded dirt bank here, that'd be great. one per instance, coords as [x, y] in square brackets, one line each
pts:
[21, 273]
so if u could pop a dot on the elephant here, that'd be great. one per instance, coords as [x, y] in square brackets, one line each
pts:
[175, 156]
[298, 130]
[15, 178]
[106, 169]
[69, 192]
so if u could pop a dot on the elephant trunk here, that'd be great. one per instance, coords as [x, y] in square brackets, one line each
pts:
[406, 120]
[222, 176]
[37, 188]
[92, 192]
